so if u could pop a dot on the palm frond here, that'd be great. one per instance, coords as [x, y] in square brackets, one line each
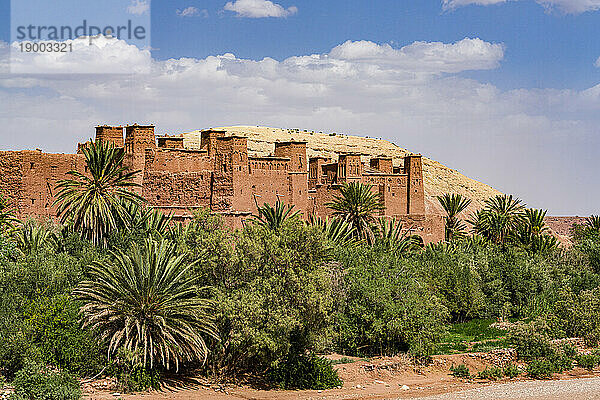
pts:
[358, 205]
[147, 301]
[453, 205]
[94, 203]
[273, 217]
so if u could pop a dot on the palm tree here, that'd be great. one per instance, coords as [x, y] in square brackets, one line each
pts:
[532, 226]
[338, 231]
[593, 223]
[32, 236]
[148, 220]
[453, 204]
[273, 218]
[391, 235]
[94, 202]
[357, 204]
[7, 215]
[147, 301]
[499, 221]
[535, 221]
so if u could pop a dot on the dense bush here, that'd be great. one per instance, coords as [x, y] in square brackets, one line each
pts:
[36, 381]
[273, 290]
[384, 307]
[577, 315]
[531, 341]
[131, 374]
[511, 371]
[589, 361]
[491, 373]
[305, 372]
[540, 369]
[39, 321]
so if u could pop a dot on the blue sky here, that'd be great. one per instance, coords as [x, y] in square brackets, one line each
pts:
[544, 49]
[506, 92]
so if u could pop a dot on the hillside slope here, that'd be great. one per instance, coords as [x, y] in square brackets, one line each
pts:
[439, 179]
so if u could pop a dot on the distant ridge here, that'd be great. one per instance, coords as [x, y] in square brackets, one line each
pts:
[439, 179]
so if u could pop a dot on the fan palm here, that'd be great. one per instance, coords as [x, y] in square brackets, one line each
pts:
[357, 204]
[453, 205]
[147, 302]
[273, 218]
[94, 202]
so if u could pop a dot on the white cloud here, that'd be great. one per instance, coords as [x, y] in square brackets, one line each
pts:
[571, 6]
[538, 144]
[138, 7]
[597, 63]
[259, 9]
[192, 12]
[436, 57]
[451, 4]
[565, 6]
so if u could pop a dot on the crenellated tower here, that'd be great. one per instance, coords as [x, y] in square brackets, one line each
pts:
[138, 140]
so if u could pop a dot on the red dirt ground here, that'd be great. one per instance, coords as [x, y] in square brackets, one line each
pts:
[378, 378]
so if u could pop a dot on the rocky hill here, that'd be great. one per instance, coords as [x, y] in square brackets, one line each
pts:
[439, 179]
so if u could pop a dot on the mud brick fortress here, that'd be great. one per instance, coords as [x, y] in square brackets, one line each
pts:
[220, 175]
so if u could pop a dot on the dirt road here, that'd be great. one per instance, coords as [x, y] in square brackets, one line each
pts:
[574, 389]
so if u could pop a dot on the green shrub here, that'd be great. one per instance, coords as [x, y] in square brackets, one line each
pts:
[531, 342]
[590, 361]
[52, 324]
[132, 376]
[460, 371]
[492, 373]
[38, 382]
[306, 372]
[275, 296]
[561, 362]
[385, 308]
[540, 369]
[570, 351]
[511, 371]
[343, 360]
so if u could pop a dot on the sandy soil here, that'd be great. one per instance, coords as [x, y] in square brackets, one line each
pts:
[380, 378]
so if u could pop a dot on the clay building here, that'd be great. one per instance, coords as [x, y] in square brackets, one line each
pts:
[220, 175]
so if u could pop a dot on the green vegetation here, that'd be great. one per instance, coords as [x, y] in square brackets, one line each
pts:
[148, 303]
[357, 204]
[491, 373]
[474, 335]
[589, 361]
[42, 383]
[95, 204]
[305, 372]
[460, 371]
[511, 371]
[453, 205]
[120, 289]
